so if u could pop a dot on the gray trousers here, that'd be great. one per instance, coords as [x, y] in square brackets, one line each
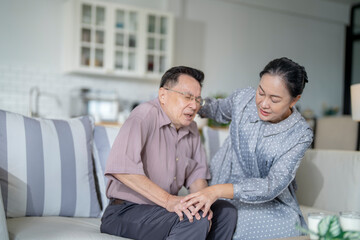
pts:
[152, 222]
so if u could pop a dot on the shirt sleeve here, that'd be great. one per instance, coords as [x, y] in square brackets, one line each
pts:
[201, 169]
[281, 174]
[125, 154]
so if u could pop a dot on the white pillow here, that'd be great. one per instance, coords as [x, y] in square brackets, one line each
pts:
[3, 226]
[46, 166]
[213, 139]
[104, 138]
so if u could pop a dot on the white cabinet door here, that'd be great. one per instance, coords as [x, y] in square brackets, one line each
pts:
[117, 40]
[125, 44]
[159, 40]
[92, 35]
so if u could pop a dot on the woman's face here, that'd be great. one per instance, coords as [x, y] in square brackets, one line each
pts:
[273, 99]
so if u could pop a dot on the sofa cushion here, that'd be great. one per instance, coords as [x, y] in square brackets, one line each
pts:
[103, 140]
[59, 228]
[3, 226]
[336, 132]
[213, 139]
[329, 180]
[46, 166]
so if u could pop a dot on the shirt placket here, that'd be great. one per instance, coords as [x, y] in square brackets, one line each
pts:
[174, 163]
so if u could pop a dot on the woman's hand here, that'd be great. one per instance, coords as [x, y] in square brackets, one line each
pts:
[173, 204]
[202, 200]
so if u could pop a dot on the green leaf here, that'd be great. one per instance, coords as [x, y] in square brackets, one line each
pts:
[335, 228]
[352, 235]
[329, 227]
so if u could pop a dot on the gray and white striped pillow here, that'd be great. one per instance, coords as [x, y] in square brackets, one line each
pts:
[46, 166]
[104, 138]
[213, 140]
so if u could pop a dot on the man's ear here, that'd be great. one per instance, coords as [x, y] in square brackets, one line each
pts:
[162, 95]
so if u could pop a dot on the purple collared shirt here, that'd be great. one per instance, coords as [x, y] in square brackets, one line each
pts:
[148, 144]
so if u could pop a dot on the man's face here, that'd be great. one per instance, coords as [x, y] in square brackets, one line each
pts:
[175, 101]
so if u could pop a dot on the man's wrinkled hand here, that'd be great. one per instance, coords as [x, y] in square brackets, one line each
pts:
[202, 200]
[173, 204]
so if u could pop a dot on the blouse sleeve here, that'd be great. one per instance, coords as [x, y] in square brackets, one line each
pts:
[281, 174]
[217, 109]
[221, 109]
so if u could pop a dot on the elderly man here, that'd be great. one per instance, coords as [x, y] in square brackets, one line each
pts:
[157, 151]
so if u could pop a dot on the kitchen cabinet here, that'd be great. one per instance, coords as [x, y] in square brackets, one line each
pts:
[117, 40]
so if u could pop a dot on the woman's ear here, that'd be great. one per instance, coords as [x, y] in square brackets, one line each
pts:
[294, 101]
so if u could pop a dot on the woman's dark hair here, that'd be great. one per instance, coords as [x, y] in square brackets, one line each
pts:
[170, 78]
[293, 74]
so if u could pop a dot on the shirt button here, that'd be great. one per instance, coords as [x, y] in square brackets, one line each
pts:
[177, 159]
[174, 178]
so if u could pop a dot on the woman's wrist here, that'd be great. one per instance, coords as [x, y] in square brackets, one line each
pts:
[225, 190]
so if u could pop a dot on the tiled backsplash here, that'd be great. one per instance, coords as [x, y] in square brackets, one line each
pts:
[16, 82]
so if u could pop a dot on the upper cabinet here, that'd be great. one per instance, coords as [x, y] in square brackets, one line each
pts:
[157, 42]
[117, 40]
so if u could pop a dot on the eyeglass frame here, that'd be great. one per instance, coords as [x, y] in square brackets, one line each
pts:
[199, 100]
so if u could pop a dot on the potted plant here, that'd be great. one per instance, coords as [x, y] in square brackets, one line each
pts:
[329, 228]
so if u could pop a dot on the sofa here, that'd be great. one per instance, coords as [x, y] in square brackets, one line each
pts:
[53, 185]
[51, 177]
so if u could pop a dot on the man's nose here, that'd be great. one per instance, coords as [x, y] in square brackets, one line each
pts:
[193, 103]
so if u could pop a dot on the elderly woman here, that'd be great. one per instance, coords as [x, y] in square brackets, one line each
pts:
[256, 166]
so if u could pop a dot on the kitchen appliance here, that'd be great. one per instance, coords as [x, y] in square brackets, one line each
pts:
[103, 105]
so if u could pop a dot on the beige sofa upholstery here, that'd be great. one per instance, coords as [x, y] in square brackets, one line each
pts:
[329, 180]
[337, 132]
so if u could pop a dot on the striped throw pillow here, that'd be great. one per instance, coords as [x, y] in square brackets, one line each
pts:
[213, 140]
[46, 167]
[104, 138]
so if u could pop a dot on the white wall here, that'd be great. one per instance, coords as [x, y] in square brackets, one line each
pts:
[230, 40]
[239, 39]
[30, 55]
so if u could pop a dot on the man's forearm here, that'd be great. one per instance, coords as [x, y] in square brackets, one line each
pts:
[145, 187]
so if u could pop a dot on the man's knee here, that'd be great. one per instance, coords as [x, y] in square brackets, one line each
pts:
[231, 211]
[224, 209]
[202, 223]
[198, 229]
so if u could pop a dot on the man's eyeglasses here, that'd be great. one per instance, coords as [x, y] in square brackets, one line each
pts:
[189, 97]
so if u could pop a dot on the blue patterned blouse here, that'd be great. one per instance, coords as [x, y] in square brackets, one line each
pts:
[260, 159]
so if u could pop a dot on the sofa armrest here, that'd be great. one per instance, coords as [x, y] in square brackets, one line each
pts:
[3, 226]
[329, 180]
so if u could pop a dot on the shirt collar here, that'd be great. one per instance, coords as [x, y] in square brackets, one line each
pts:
[274, 128]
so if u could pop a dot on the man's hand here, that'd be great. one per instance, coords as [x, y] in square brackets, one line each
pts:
[173, 204]
[202, 200]
[153, 192]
